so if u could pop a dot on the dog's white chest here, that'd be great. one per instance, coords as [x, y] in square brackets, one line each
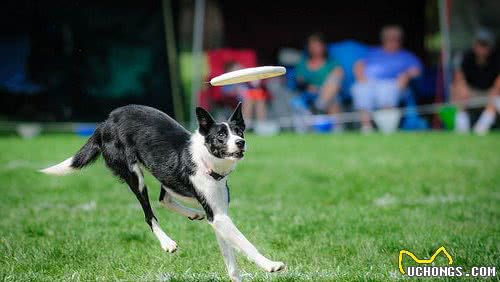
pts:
[214, 192]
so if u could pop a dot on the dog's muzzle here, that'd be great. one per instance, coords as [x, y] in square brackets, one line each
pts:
[239, 154]
[241, 146]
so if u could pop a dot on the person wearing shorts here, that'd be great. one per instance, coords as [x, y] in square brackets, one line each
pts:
[383, 75]
[477, 79]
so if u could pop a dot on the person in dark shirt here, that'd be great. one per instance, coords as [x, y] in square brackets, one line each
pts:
[477, 79]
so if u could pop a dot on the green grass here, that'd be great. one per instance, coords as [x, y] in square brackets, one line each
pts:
[332, 207]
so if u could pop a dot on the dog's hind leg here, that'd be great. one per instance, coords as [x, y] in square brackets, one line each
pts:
[122, 161]
[133, 176]
[136, 183]
[167, 200]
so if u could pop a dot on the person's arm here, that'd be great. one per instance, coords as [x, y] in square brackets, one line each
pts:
[459, 78]
[496, 85]
[405, 77]
[359, 71]
[299, 75]
[414, 70]
[460, 89]
[337, 72]
[495, 89]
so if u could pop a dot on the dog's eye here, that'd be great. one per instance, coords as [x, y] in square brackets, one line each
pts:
[221, 134]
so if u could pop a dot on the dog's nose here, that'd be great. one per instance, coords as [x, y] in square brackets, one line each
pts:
[240, 143]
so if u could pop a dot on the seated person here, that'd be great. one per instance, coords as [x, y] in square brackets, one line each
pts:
[383, 75]
[250, 94]
[477, 77]
[318, 77]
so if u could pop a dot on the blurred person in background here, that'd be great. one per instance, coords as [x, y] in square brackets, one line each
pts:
[477, 77]
[318, 77]
[382, 76]
[251, 94]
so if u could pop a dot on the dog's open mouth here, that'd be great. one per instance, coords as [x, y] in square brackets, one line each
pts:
[238, 155]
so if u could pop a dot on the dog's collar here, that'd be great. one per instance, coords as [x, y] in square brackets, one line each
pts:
[212, 173]
[216, 176]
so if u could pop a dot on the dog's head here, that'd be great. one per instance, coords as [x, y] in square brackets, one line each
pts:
[224, 140]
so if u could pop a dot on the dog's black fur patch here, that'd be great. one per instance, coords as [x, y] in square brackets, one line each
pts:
[216, 135]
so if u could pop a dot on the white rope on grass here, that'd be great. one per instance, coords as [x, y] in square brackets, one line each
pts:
[350, 117]
[340, 118]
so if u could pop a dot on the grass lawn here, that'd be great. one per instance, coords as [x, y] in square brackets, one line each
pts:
[332, 207]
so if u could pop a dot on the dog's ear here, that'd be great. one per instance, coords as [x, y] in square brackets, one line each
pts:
[237, 118]
[205, 120]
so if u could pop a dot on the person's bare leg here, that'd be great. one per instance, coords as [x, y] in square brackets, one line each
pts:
[328, 91]
[334, 109]
[327, 95]
[487, 118]
[247, 110]
[460, 98]
[261, 110]
[366, 124]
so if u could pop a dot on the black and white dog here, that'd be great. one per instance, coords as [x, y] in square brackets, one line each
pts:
[190, 167]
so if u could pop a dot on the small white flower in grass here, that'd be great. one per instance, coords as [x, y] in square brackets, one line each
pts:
[385, 200]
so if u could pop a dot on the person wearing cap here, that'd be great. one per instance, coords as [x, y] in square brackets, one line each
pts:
[477, 79]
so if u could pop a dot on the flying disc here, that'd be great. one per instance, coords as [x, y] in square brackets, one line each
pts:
[246, 75]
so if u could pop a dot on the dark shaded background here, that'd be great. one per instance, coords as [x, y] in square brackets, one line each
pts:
[73, 45]
[269, 25]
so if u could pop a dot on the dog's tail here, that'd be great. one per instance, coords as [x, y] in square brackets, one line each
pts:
[85, 156]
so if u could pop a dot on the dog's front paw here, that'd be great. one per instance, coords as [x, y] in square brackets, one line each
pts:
[197, 216]
[235, 278]
[169, 246]
[275, 266]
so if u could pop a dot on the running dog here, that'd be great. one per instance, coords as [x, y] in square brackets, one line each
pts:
[190, 167]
